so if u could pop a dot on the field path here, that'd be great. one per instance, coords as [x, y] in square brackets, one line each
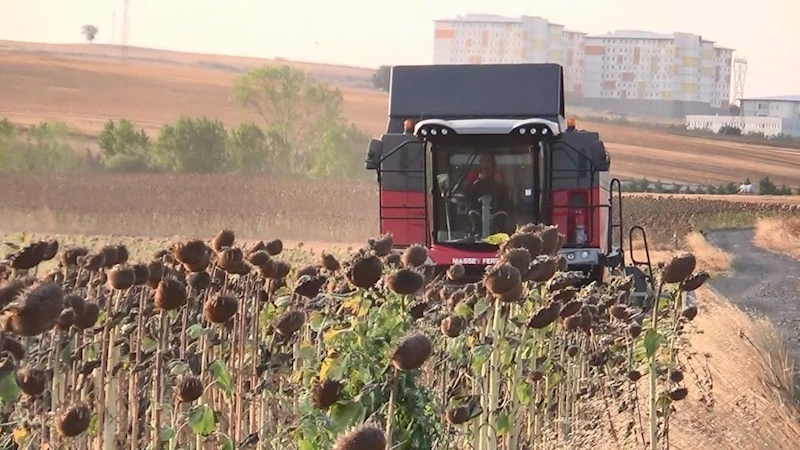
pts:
[762, 282]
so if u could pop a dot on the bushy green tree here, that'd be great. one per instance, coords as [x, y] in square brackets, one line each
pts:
[248, 149]
[192, 145]
[123, 138]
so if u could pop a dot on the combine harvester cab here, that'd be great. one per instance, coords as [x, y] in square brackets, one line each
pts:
[447, 123]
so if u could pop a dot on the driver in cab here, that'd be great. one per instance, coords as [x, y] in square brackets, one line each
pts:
[487, 179]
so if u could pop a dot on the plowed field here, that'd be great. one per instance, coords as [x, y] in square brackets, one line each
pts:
[85, 85]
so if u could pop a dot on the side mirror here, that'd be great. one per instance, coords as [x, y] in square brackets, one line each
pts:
[374, 153]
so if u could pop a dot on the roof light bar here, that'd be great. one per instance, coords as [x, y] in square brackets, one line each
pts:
[542, 128]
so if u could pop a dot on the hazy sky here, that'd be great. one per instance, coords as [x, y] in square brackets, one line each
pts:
[370, 33]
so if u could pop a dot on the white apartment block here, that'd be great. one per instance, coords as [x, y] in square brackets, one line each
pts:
[639, 65]
[489, 39]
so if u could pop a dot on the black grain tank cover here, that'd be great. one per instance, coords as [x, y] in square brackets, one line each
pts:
[486, 91]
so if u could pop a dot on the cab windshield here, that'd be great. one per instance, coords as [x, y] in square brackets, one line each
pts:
[482, 190]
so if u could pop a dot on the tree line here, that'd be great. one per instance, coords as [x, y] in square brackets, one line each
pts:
[298, 129]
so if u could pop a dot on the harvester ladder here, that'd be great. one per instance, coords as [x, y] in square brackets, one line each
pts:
[615, 190]
[646, 262]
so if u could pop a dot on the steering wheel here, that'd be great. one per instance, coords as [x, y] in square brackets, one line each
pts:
[482, 186]
[458, 198]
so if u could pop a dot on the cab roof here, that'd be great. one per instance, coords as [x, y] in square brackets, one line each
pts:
[477, 91]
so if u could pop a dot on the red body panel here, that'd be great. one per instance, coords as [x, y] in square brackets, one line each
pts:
[403, 215]
[587, 207]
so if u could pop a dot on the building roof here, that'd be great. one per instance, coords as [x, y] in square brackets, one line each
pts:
[492, 18]
[632, 34]
[639, 34]
[776, 98]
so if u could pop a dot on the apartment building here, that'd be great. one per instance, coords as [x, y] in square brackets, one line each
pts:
[628, 72]
[573, 60]
[490, 39]
[655, 74]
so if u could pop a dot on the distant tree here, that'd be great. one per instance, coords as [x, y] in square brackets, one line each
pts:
[341, 152]
[381, 78]
[734, 109]
[297, 110]
[252, 151]
[658, 186]
[89, 32]
[6, 128]
[193, 145]
[123, 138]
[766, 186]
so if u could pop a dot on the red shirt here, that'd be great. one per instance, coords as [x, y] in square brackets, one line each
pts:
[473, 176]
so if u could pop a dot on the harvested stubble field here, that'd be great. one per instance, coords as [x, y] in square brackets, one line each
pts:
[369, 340]
[343, 211]
[780, 235]
[85, 85]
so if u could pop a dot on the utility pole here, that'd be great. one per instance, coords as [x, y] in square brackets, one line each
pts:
[125, 5]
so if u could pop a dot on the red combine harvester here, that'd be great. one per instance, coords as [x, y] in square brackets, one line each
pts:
[471, 151]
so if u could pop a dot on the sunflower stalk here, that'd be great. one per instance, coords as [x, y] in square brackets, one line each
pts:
[390, 418]
[653, 376]
[158, 385]
[205, 346]
[101, 380]
[673, 340]
[133, 379]
[518, 413]
[112, 400]
[495, 377]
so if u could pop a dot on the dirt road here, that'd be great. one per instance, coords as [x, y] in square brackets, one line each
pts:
[762, 282]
